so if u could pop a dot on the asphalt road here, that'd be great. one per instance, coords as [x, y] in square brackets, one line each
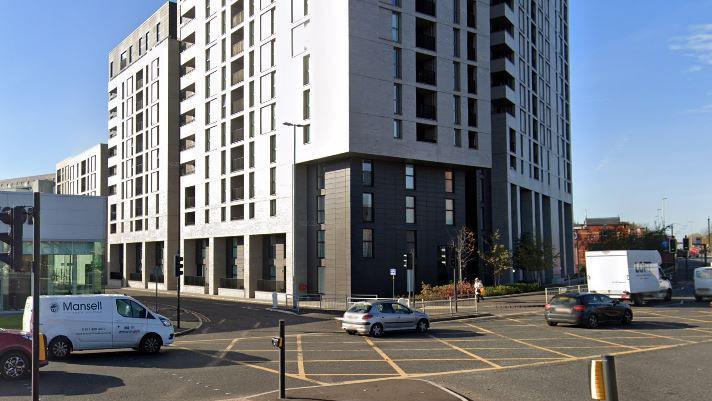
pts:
[664, 352]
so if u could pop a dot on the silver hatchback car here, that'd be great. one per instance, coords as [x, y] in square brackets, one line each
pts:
[376, 317]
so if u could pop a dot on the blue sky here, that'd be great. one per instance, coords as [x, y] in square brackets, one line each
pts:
[641, 88]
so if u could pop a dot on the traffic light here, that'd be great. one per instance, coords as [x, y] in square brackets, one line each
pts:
[405, 261]
[15, 218]
[673, 245]
[686, 243]
[179, 265]
[443, 256]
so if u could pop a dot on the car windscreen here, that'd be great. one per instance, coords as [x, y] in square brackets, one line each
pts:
[360, 308]
[564, 300]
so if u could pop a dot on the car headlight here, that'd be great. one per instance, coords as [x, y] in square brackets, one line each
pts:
[166, 322]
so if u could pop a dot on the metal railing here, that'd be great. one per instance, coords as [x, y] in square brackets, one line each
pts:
[550, 292]
[233, 283]
[425, 41]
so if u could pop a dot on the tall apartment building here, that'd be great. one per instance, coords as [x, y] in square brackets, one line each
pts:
[84, 174]
[143, 153]
[531, 125]
[389, 106]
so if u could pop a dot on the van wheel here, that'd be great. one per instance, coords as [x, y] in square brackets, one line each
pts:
[60, 348]
[637, 300]
[150, 344]
[668, 296]
[14, 365]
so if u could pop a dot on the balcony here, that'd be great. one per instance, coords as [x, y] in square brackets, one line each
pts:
[187, 143]
[471, 46]
[472, 14]
[237, 135]
[237, 163]
[187, 92]
[425, 7]
[237, 14]
[502, 9]
[112, 94]
[238, 72]
[233, 283]
[426, 104]
[238, 42]
[426, 111]
[187, 117]
[425, 34]
[425, 69]
[237, 194]
[187, 16]
[187, 42]
[112, 132]
[112, 113]
[187, 67]
[187, 168]
[426, 133]
[237, 100]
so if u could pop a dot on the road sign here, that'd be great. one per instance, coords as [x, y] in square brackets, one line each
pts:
[393, 272]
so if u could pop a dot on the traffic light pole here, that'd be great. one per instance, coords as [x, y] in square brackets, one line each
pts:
[178, 307]
[36, 301]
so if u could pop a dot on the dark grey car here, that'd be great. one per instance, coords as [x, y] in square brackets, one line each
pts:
[586, 309]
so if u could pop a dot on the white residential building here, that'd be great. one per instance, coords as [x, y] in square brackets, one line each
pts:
[83, 174]
[143, 152]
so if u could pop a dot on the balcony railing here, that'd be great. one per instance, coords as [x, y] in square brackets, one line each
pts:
[136, 276]
[194, 280]
[237, 77]
[238, 47]
[426, 76]
[237, 164]
[237, 105]
[234, 283]
[185, 45]
[237, 19]
[237, 135]
[112, 95]
[237, 194]
[426, 111]
[425, 41]
[271, 285]
[189, 202]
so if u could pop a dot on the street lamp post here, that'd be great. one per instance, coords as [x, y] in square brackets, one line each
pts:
[662, 217]
[294, 203]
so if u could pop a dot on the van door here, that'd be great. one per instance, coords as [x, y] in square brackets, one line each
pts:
[129, 323]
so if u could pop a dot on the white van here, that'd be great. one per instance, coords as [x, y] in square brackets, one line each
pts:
[703, 283]
[628, 275]
[86, 322]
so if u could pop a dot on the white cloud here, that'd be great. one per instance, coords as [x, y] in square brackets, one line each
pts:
[697, 44]
[702, 109]
[694, 68]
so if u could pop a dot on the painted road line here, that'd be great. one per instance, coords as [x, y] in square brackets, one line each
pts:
[466, 352]
[300, 358]
[224, 352]
[249, 365]
[660, 336]
[677, 317]
[385, 357]
[522, 342]
[602, 341]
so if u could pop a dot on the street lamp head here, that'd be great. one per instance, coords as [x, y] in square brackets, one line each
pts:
[288, 124]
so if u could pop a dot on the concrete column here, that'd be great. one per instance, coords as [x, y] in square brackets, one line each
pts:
[253, 268]
[189, 266]
[129, 260]
[216, 263]
[170, 249]
[146, 269]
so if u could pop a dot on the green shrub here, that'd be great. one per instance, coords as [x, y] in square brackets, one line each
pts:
[467, 289]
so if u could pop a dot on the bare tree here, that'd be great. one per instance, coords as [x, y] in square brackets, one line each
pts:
[464, 246]
[496, 256]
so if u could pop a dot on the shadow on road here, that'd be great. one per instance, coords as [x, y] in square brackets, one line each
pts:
[171, 358]
[439, 333]
[62, 383]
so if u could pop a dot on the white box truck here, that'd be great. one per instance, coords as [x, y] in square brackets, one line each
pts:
[703, 283]
[88, 322]
[633, 276]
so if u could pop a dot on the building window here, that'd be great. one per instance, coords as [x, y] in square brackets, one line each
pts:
[472, 140]
[449, 187]
[456, 42]
[397, 99]
[457, 112]
[449, 212]
[305, 70]
[306, 111]
[367, 172]
[306, 134]
[456, 76]
[272, 180]
[409, 176]
[321, 244]
[367, 243]
[397, 65]
[273, 207]
[321, 177]
[367, 206]
[397, 129]
[273, 148]
[158, 32]
[410, 209]
[457, 138]
[395, 27]
[320, 206]
[251, 210]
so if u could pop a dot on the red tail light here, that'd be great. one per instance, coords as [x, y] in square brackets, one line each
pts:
[366, 316]
[547, 307]
[579, 308]
[625, 296]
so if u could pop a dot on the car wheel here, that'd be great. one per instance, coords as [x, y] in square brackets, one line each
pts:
[592, 321]
[14, 365]
[351, 332]
[627, 317]
[150, 344]
[550, 323]
[668, 296]
[376, 330]
[422, 326]
[60, 348]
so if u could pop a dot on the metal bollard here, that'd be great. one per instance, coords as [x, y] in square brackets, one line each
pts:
[603, 379]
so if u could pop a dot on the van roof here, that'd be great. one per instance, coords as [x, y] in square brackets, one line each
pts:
[85, 296]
